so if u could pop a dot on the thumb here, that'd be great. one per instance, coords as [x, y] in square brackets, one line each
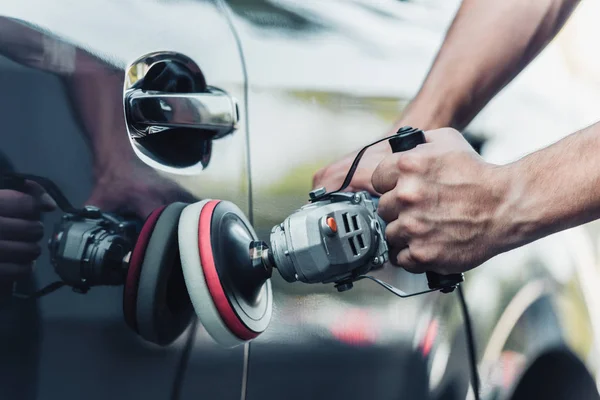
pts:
[34, 189]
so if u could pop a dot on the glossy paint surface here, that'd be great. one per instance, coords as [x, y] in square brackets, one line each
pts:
[63, 118]
[314, 81]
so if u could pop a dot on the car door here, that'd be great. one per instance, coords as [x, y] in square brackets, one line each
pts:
[324, 79]
[62, 73]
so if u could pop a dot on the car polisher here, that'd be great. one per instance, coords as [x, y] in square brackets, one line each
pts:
[89, 248]
[336, 238]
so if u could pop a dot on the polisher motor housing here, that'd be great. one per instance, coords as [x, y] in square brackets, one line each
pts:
[332, 240]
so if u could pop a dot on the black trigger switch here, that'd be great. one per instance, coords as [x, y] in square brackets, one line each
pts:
[406, 138]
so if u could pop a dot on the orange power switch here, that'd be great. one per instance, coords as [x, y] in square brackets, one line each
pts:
[332, 224]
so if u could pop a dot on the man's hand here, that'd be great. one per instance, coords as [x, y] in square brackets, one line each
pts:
[442, 203]
[21, 228]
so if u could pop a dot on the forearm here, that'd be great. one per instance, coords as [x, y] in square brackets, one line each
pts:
[96, 91]
[95, 87]
[487, 45]
[553, 189]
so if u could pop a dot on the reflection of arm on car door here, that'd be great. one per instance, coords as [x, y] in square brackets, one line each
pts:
[122, 182]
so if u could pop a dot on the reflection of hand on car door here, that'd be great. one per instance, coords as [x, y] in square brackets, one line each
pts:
[129, 188]
[121, 181]
[21, 228]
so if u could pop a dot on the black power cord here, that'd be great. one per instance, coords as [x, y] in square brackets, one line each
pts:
[183, 361]
[46, 290]
[470, 343]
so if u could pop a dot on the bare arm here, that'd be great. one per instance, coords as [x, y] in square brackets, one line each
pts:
[555, 188]
[487, 45]
[449, 210]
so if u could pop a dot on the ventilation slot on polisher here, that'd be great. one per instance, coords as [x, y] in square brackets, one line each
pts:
[350, 228]
[354, 227]
[355, 222]
[361, 242]
[346, 223]
[352, 246]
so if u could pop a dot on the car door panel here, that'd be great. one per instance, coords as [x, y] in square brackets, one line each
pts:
[50, 57]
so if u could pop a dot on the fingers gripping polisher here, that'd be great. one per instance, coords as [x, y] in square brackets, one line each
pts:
[336, 238]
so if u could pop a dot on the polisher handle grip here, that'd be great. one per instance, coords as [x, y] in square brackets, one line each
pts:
[408, 138]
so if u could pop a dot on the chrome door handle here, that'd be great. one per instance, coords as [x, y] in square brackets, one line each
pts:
[213, 111]
[172, 115]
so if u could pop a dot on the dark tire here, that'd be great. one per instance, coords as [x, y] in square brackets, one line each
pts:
[556, 375]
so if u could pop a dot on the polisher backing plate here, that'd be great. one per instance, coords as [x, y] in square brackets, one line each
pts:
[163, 309]
[238, 289]
[199, 234]
[130, 288]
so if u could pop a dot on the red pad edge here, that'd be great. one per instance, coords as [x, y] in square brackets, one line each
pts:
[135, 268]
[211, 276]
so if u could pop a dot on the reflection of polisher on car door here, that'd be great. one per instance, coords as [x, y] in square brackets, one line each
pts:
[91, 248]
[207, 256]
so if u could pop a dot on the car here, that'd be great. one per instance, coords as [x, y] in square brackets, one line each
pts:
[297, 85]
